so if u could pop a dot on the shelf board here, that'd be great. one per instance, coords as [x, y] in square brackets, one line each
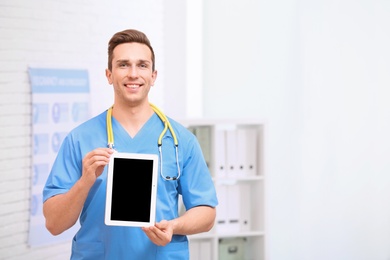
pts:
[220, 121]
[233, 180]
[226, 235]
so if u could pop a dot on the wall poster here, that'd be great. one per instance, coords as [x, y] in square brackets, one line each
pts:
[60, 102]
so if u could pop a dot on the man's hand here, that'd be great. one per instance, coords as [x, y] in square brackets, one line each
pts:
[94, 163]
[193, 221]
[161, 233]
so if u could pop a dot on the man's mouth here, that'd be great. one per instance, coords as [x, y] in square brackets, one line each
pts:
[132, 86]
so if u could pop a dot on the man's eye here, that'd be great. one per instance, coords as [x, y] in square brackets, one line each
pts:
[122, 65]
[143, 65]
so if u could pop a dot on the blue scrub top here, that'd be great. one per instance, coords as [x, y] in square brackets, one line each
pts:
[95, 240]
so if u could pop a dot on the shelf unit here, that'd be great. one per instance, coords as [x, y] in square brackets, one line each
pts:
[233, 150]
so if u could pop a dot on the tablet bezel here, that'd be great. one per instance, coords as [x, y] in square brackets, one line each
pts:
[110, 175]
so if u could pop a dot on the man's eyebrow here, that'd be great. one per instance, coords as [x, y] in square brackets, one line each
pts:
[127, 61]
[120, 61]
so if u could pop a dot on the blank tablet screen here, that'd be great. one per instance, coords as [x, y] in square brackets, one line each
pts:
[131, 190]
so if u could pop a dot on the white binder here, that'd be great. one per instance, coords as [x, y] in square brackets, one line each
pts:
[234, 207]
[231, 153]
[233, 212]
[219, 152]
[245, 210]
[246, 151]
[221, 224]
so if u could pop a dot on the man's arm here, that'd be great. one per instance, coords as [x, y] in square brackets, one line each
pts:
[195, 220]
[63, 210]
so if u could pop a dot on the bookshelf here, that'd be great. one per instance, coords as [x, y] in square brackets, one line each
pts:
[233, 150]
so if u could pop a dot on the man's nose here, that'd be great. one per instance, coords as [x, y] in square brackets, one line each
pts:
[132, 71]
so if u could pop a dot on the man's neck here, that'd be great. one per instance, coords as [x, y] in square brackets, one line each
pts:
[132, 118]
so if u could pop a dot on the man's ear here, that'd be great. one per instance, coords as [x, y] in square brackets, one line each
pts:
[108, 76]
[154, 76]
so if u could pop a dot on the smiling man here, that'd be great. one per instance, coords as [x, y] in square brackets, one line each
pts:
[76, 187]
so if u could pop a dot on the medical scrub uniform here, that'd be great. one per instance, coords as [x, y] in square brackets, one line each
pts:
[95, 240]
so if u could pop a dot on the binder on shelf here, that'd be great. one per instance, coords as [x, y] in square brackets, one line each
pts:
[234, 206]
[219, 153]
[221, 223]
[234, 209]
[245, 209]
[231, 153]
[247, 151]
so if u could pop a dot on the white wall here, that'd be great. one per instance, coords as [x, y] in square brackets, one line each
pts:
[252, 70]
[174, 17]
[318, 73]
[346, 146]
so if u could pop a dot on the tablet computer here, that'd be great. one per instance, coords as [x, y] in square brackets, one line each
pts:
[131, 190]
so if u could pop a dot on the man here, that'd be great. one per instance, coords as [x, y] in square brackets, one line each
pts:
[76, 186]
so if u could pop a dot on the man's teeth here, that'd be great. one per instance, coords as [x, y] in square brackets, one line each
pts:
[132, 86]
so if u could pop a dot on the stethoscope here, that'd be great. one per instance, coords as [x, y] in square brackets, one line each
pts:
[167, 125]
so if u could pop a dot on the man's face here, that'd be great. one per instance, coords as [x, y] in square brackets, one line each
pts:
[131, 74]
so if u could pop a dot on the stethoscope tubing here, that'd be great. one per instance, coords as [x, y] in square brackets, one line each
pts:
[167, 126]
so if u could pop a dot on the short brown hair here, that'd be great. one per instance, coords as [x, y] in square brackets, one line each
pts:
[126, 36]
